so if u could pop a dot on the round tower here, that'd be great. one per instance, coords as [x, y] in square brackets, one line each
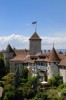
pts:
[34, 44]
[52, 68]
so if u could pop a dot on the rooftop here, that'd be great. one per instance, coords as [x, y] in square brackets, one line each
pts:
[53, 56]
[35, 36]
[63, 62]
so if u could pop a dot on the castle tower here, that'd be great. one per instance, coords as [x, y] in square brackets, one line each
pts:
[35, 44]
[53, 61]
[8, 54]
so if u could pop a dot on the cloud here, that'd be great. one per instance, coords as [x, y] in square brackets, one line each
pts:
[59, 42]
[21, 41]
[13, 37]
[56, 40]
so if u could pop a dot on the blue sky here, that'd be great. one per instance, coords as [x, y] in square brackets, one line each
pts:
[16, 17]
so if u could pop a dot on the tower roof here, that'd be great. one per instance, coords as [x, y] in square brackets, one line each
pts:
[35, 36]
[9, 48]
[53, 56]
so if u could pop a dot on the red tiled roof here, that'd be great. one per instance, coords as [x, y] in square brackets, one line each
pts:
[28, 59]
[63, 62]
[61, 56]
[35, 36]
[21, 51]
[44, 54]
[20, 55]
[18, 58]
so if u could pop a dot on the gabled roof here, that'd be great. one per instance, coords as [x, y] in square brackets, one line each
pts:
[63, 62]
[35, 36]
[53, 56]
[9, 48]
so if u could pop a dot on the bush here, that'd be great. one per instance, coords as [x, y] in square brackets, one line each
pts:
[56, 80]
[62, 86]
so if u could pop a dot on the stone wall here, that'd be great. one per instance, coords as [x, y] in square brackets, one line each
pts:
[52, 69]
[35, 46]
[62, 71]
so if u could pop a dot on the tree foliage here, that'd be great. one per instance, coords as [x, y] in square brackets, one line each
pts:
[56, 80]
[2, 66]
[24, 86]
[9, 78]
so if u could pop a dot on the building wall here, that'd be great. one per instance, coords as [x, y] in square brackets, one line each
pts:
[52, 69]
[62, 71]
[35, 46]
[7, 57]
[14, 65]
[41, 63]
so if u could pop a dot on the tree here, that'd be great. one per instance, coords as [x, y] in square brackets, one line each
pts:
[20, 77]
[28, 91]
[9, 78]
[17, 80]
[56, 80]
[24, 73]
[53, 94]
[2, 66]
[41, 96]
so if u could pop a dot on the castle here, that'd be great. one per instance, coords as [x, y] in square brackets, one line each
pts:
[50, 62]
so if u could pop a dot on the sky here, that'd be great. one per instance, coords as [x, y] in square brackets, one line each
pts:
[16, 17]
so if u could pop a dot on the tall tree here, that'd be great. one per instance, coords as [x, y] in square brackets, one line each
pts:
[2, 66]
[17, 80]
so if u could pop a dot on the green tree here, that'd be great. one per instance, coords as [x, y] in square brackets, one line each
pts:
[56, 80]
[41, 96]
[24, 73]
[28, 91]
[8, 78]
[2, 66]
[17, 80]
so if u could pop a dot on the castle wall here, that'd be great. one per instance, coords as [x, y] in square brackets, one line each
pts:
[52, 69]
[14, 65]
[7, 57]
[62, 71]
[35, 46]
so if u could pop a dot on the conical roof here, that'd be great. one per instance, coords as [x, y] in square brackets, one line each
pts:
[35, 36]
[53, 56]
[9, 48]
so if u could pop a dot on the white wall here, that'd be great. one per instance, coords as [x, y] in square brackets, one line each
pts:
[52, 69]
[62, 71]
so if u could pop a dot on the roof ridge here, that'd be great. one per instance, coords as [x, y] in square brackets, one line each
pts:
[35, 36]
